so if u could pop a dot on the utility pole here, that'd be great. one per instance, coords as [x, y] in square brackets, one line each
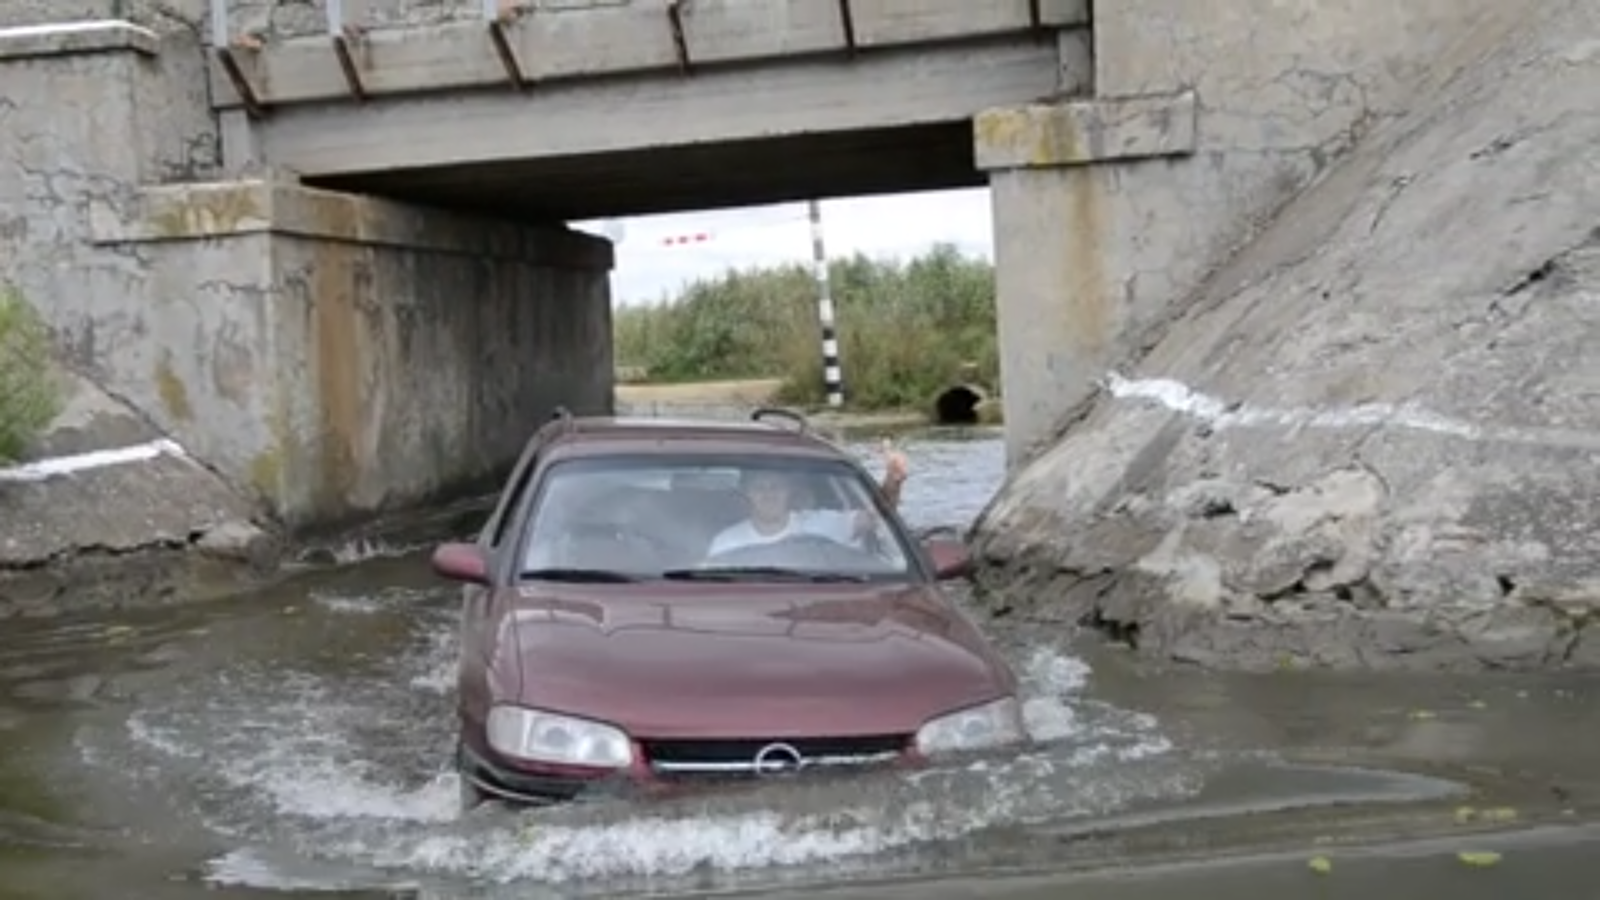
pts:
[832, 373]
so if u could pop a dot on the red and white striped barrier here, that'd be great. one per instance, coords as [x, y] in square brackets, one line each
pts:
[678, 240]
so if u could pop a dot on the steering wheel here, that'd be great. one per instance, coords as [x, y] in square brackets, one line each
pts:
[828, 551]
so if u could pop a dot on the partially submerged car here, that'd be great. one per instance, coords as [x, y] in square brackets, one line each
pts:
[609, 637]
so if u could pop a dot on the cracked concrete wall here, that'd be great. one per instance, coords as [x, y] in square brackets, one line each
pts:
[1096, 253]
[270, 19]
[160, 16]
[89, 118]
[346, 355]
[330, 355]
[406, 372]
[293, 18]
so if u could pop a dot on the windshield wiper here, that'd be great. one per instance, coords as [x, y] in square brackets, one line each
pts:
[758, 573]
[580, 576]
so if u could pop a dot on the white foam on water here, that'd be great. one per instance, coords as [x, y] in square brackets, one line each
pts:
[360, 550]
[252, 867]
[348, 605]
[1048, 679]
[852, 824]
[438, 664]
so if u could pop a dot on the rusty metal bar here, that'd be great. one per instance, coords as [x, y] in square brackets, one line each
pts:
[339, 33]
[497, 17]
[847, 18]
[508, 56]
[241, 84]
[222, 45]
[347, 64]
[680, 41]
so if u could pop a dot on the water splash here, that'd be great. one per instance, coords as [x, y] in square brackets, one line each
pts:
[328, 778]
[306, 768]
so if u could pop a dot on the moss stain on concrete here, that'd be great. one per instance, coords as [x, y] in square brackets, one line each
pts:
[174, 393]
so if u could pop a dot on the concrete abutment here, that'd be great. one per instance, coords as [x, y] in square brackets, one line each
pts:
[1112, 212]
[329, 355]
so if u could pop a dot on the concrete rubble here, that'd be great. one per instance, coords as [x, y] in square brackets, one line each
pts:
[1372, 440]
[165, 529]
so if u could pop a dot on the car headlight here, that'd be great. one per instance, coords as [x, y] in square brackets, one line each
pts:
[993, 724]
[536, 736]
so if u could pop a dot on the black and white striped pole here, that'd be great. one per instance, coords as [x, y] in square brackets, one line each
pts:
[832, 374]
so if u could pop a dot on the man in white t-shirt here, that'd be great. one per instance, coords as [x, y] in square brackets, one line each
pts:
[772, 519]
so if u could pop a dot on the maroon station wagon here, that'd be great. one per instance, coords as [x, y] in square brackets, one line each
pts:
[626, 625]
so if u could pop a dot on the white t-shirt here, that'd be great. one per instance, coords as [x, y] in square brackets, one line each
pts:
[833, 524]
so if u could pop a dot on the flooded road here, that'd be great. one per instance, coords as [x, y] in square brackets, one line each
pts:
[296, 744]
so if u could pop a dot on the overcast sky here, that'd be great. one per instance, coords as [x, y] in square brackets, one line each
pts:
[898, 226]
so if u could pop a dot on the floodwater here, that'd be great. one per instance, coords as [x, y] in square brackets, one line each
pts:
[296, 744]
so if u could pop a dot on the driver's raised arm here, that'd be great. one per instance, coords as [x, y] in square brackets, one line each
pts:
[895, 472]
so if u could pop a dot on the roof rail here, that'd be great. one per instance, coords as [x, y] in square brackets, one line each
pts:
[564, 415]
[801, 423]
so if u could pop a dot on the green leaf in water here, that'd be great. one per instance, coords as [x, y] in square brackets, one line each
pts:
[1479, 859]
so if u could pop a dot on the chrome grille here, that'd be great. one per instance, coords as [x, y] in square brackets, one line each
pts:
[738, 756]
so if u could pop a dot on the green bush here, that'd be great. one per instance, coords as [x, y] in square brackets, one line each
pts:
[905, 328]
[29, 394]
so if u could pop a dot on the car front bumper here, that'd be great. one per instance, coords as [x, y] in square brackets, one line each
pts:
[529, 789]
[523, 788]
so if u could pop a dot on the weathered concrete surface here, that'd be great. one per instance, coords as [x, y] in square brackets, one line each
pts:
[354, 355]
[1206, 117]
[292, 61]
[1373, 440]
[331, 356]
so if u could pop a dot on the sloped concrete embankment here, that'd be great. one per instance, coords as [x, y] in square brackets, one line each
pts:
[1372, 440]
[109, 512]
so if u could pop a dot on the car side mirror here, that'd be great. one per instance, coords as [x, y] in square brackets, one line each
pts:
[950, 558]
[461, 562]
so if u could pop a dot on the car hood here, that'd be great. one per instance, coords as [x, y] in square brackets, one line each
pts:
[750, 660]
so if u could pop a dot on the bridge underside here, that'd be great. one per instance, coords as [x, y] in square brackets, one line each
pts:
[694, 176]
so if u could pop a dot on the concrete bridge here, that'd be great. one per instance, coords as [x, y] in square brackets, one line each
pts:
[323, 246]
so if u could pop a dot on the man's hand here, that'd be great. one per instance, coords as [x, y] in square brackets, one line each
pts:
[895, 468]
[895, 472]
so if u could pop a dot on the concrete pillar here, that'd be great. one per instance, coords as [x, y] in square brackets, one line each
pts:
[1065, 181]
[1111, 213]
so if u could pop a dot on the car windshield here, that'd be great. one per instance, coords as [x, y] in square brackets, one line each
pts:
[694, 518]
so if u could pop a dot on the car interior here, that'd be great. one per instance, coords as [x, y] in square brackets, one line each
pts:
[655, 527]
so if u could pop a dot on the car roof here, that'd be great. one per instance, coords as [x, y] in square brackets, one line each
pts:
[606, 435]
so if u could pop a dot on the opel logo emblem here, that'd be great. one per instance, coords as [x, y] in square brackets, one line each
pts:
[778, 759]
